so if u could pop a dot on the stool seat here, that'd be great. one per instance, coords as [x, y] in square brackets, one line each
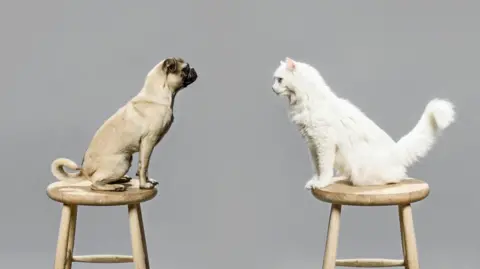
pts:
[79, 193]
[342, 192]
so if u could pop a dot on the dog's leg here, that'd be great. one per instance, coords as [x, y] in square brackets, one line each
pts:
[110, 173]
[146, 148]
[138, 167]
[125, 162]
[154, 182]
[102, 182]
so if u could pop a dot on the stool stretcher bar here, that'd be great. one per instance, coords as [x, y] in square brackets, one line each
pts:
[369, 262]
[103, 258]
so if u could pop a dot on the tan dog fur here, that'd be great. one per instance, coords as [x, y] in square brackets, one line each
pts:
[136, 127]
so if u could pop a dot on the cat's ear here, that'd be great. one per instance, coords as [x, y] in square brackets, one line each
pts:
[290, 64]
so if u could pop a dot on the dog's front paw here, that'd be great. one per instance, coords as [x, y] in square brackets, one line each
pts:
[153, 181]
[147, 186]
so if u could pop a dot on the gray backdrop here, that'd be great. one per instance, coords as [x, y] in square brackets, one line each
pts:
[232, 168]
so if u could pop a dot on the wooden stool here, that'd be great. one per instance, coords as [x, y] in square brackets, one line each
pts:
[402, 195]
[71, 195]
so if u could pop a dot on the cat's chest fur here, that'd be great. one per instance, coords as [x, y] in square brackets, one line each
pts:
[315, 127]
[306, 121]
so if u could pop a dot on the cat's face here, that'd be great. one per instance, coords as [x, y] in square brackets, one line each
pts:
[287, 77]
[296, 79]
[282, 79]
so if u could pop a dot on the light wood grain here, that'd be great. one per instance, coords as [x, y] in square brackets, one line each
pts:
[342, 192]
[331, 245]
[62, 240]
[142, 235]
[79, 193]
[103, 258]
[139, 249]
[369, 262]
[411, 255]
[400, 194]
[72, 194]
[402, 236]
[71, 236]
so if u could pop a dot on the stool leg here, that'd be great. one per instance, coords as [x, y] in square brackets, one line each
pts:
[330, 255]
[402, 236]
[139, 244]
[61, 254]
[71, 236]
[409, 237]
[142, 232]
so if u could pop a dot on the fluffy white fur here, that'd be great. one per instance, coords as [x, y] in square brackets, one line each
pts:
[342, 138]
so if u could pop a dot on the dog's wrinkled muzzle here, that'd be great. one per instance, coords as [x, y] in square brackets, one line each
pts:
[191, 77]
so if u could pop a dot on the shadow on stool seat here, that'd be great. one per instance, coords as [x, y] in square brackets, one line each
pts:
[401, 194]
[71, 195]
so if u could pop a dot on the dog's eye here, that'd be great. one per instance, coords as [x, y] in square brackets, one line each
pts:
[279, 80]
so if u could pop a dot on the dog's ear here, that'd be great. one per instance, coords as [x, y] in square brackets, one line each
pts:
[170, 65]
[290, 64]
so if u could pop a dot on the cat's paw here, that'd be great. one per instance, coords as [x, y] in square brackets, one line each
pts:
[316, 183]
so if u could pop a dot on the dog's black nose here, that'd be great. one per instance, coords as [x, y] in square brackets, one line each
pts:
[193, 73]
[191, 77]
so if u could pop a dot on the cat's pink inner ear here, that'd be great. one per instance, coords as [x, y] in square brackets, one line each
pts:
[290, 64]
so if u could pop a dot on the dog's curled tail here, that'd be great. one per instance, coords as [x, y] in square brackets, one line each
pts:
[438, 115]
[58, 170]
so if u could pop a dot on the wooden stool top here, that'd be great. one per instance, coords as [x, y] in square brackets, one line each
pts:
[79, 193]
[341, 192]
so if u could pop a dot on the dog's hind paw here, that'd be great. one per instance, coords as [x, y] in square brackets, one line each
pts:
[119, 187]
[122, 180]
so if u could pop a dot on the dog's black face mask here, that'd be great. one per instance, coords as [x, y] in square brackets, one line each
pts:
[190, 75]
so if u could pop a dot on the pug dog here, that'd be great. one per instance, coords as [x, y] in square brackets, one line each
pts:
[138, 126]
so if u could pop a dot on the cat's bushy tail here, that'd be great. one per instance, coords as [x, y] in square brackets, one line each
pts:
[438, 115]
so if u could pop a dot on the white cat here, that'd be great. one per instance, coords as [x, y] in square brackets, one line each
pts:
[341, 137]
